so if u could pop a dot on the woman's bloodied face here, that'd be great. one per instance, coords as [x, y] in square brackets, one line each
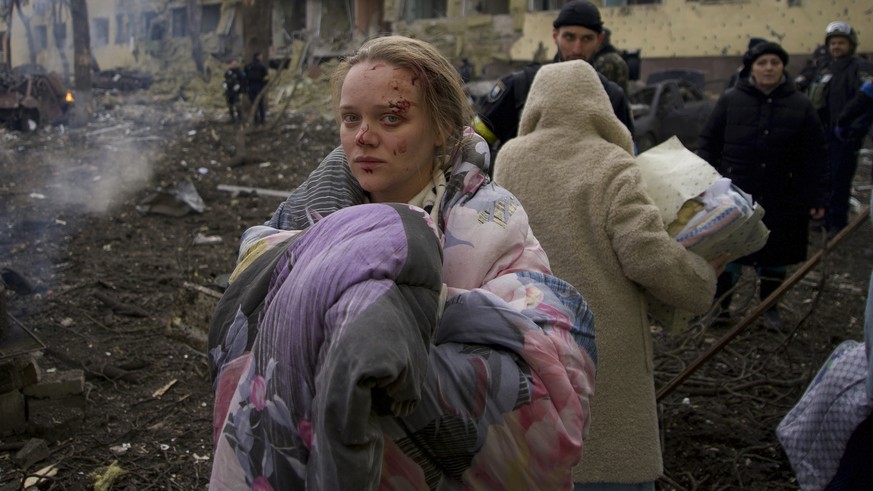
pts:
[386, 132]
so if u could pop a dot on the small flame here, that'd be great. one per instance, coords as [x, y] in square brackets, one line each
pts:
[69, 97]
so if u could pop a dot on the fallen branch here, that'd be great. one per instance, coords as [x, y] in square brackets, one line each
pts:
[765, 304]
[202, 289]
[121, 308]
[261, 191]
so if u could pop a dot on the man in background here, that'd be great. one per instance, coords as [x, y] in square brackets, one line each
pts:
[256, 81]
[233, 85]
[836, 84]
[578, 33]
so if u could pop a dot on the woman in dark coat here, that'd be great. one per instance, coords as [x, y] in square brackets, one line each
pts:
[765, 136]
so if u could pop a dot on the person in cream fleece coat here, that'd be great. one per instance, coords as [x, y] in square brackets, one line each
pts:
[573, 168]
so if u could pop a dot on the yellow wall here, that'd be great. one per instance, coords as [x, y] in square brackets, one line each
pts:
[680, 28]
[110, 55]
[672, 29]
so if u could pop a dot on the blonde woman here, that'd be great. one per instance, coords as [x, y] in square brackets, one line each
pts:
[395, 325]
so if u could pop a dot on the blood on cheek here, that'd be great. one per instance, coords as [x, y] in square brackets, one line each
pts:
[401, 148]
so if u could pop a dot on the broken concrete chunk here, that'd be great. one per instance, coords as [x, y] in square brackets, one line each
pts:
[58, 384]
[34, 451]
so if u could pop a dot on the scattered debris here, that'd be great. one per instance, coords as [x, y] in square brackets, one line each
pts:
[16, 282]
[41, 476]
[163, 390]
[179, 202]
[35, 450]
[105, 477]
[261, 191]
[201, 239]
[121, 308]
[31, 97]
[122, 80]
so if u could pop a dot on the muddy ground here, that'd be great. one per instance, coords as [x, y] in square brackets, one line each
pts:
[120, 283]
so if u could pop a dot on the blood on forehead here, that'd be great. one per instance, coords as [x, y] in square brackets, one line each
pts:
[400, 106]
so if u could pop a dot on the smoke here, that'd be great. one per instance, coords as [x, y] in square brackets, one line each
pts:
[101, 178]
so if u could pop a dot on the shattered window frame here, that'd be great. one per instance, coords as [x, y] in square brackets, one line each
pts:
[545, 5]
[179, 22]
[426, 9]
[59, 34]
[40, 37]
[100, 25]
[152, 27]
[491, 7]
[210, 17]
[122, 28]
[628, 3]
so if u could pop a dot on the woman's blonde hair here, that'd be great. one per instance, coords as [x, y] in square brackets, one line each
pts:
[443, 94]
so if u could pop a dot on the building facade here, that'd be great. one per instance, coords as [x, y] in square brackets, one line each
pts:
[495, 35]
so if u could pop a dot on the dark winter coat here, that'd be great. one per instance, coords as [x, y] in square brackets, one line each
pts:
[500, 112]
[772, 147]
[836, 85]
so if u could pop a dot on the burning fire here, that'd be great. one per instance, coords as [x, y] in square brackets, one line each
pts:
[69, 97]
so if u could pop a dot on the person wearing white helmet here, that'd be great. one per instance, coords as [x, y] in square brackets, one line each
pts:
[836, 85]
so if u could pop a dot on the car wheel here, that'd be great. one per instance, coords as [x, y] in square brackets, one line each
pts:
[646, 142]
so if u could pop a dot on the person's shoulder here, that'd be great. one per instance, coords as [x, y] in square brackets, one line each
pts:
[506, 86]
[866, 66]
[613, 90]
[612, 57]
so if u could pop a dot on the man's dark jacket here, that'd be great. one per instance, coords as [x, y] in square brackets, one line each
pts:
[501, 110]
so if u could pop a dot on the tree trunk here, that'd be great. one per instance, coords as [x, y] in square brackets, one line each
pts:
[257, 19]
[59, 34]
[82, 63]
[195, 16]
[7, 36]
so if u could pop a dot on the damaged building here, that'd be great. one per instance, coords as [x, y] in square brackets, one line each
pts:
[495, 35]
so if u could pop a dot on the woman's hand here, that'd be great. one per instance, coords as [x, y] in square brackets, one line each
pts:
[817, 213]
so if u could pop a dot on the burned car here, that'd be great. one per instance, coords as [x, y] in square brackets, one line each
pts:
[31, 97]
[671, 103]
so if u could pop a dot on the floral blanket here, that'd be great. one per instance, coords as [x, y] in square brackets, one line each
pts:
[330, 371]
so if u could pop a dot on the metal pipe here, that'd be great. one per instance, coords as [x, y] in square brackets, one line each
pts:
[765, 304]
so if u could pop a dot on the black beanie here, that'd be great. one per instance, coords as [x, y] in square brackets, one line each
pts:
[754, 42]
[768, 48]
[580, 13]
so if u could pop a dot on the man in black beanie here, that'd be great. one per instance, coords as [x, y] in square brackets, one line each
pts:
[577, 32]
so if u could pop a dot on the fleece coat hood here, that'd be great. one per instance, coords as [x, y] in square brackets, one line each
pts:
[573, 170]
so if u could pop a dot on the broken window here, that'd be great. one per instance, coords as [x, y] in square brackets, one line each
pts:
[487, 7]
[153, 29]
[101, 31]
[625, 3]
[122, 28]
[210, 16]
[40, 38]
[179, 27]
[540, 5]
[425, 9]
[59, 33]
[293, 17]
